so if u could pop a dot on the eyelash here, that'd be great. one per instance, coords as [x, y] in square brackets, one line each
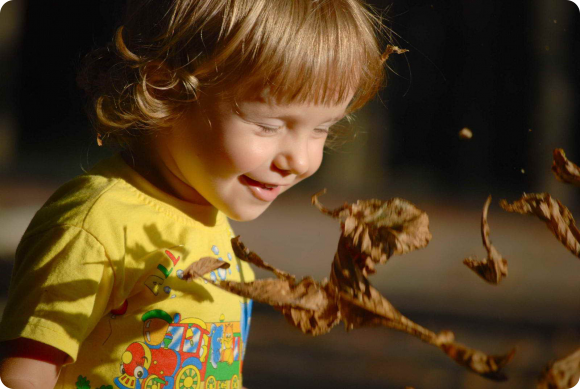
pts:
[273, 130]
[269, 130]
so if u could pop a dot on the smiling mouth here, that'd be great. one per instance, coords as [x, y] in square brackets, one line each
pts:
[260, 190]
[260, 184]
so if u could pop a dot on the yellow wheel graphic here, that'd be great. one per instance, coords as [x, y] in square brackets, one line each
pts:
[153, 382]
[235, 382]
[211, 382]
[188, 378]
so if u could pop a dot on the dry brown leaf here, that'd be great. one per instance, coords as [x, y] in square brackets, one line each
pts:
[564, 169]
[372, 231]
[378, 229]
[494, 267]
[362, 305]
[556, 216]
[465, 133]
[486, 365]
[315, 308]
[561, 374]
[390, 50]
[308, 305]
[302, 319]
[202, 267]
[307, 294]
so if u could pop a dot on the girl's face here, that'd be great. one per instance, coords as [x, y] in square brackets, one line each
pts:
[240, 156]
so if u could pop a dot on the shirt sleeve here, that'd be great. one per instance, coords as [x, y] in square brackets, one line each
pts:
[60, 288]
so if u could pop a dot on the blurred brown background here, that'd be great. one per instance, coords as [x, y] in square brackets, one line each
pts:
[508, 70]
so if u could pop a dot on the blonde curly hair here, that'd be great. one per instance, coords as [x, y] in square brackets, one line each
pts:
[167, 52]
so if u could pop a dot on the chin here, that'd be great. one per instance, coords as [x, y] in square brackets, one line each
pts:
[246, 214]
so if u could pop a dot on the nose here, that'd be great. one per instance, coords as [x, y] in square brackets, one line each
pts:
[293, 157]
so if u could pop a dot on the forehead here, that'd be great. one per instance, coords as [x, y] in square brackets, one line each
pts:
[263, 104]
[268, 100]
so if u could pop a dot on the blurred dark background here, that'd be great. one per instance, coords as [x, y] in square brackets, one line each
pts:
[507, 70]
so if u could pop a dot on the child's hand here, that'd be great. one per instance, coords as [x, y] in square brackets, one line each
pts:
[28, 364]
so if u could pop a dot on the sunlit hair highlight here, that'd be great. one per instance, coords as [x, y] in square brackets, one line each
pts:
[169, 51]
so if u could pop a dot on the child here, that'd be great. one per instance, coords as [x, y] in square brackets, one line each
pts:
[220, 106]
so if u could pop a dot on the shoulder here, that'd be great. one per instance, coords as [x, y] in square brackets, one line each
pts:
[96, 195]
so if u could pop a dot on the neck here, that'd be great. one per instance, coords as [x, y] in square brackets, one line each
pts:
[162, 174]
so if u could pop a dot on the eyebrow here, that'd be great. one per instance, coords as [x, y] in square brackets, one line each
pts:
[272, 115]
[286, 117]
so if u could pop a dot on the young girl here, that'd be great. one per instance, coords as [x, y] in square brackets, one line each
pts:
[220, 106]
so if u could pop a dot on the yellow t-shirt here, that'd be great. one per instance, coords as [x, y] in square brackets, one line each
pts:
[98, 276]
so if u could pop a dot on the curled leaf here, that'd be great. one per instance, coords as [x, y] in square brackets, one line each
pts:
[494, 267]
[564, 169]
[372, 231]
[307, 305]
[202, 267]
[561, 374]
[378, 229]
[307, 294]
[315, 322]
[486, 365]
[465, 133]
[362, 305]
[556, 216]
[390, 50]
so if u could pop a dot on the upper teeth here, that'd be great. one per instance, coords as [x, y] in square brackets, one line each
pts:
[268, 186]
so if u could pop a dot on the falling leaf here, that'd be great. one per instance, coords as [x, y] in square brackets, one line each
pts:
[486, 365]
[561, 374]
[308, 305]
[494, 267]
[379, 229]
[362, 305]
[307, 294]
[564, 169]
[314, 322]
[372, 231]
[556, 216]
[390, 50]
[202, 267]
[465, 133]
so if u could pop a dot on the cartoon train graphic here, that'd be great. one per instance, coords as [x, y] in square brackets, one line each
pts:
[182, 354]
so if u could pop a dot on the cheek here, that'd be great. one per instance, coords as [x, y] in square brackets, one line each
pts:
[316, 155]
[244, 154]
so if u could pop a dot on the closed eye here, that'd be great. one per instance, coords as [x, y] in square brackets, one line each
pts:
[268, 130]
